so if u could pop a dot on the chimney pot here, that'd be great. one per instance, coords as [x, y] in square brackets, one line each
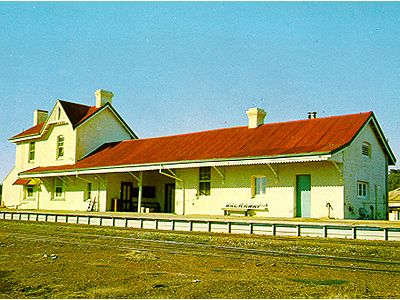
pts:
[256, 117]
[312, 115]
[39, 116]
[103, 97]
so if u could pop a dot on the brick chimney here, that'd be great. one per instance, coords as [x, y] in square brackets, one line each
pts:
[256, 117]
[103, 97]
[39, 116]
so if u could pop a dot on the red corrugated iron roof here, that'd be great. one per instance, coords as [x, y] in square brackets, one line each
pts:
[21, 181]
[304, 137]
[31, 131]
[76, 113]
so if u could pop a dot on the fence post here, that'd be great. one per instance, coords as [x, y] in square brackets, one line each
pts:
[274, 229]
[126, 222]
[325, 231]
[173, 225]
[386, 233]
[229, 227]
[190, 225]
[354, 232]
[298, 230]
[251, 228]
[209, 226]
[156, 223]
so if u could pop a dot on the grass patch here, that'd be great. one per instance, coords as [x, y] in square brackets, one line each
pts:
[104, 262]
[319, 281]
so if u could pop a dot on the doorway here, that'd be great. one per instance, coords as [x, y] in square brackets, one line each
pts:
[169, 204]
[126, 195]
[303, 196]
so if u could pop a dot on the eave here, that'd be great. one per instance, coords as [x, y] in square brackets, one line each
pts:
[314, 157]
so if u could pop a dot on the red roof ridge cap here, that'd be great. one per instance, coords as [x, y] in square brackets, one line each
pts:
[319, 118]
[241, 127]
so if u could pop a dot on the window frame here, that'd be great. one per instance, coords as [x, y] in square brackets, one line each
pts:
[366, 149]
[204, 181]
[362, 189]
[89, 191]
[30, 193]
[59, 190]
[32, 150]
[258, 186]
[60, 147]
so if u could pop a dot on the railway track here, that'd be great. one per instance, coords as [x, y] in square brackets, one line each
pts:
[210, 250]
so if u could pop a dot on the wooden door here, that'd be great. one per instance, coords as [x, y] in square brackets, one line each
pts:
[169, 204]
[126, 195]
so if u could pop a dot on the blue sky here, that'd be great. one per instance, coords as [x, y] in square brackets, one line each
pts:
[178, 67]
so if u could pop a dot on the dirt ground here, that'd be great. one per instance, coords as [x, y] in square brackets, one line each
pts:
[49, 260]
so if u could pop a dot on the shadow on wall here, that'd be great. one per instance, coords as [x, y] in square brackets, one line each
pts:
[363, 213]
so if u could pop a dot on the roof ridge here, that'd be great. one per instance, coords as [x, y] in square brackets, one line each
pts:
[245, 126]
[74, 103]
[323, 118]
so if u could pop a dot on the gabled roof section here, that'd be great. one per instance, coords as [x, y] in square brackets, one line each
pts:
[77, 114]
[296, 138]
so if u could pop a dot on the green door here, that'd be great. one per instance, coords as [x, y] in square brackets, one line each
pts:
[303, 196]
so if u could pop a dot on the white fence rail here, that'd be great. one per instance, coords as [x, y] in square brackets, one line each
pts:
[245, 227]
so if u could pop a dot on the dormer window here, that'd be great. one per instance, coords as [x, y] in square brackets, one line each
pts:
[366, 149]
[31, 151]
[60, 146]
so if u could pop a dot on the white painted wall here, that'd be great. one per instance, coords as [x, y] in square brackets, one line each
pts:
[103, 128]
[369, 169]
[326, 186]
[45, 155]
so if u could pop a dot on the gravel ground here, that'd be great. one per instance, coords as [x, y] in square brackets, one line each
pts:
[50, 260]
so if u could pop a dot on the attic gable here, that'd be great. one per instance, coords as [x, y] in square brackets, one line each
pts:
[65, 112]
[58, 115]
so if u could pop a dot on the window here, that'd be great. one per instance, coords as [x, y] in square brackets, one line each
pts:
[259, 185]
[58, 188]
[362, 189]
[29, 191]
[204, 181]
[58, 113]
[60, 146]
[89, 190]
[31, 151]
[366, 149]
